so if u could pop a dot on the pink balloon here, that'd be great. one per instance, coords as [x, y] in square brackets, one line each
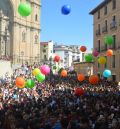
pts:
[45, 69]
[95, 53]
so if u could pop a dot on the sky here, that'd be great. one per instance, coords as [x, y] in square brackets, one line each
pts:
[73, 29]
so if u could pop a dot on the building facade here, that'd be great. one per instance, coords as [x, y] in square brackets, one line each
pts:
[68, 54]
[46, 51]
[85, 68]
[107, 22]
[19, 36]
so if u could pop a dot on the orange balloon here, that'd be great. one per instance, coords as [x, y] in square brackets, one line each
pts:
[83, 48]
[109, 52]
[20, 82]
[64, 73]
[81, 77]
[94, 79]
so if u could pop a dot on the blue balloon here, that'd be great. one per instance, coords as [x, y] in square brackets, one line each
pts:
[66, 9]
[107, 73]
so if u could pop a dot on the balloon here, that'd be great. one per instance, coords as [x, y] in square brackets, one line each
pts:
[83, 48]
[102, 60]
[24, 9]
[20, 82]
[109, 52]
[36, 71]
[57, 58]
[95, 53]
[88, 58]
[40, 77]
[93, 79]
[107, 73]
[65, 9]
[30, 83]
[109, 40]
[45, 69]
[64, 73]
[79, 91]
[81, 77]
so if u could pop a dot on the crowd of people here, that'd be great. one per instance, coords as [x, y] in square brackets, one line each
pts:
[54, 105]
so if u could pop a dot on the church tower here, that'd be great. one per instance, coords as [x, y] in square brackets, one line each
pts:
[19, 36]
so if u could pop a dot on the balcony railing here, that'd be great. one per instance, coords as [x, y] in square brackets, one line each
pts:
[98, 32]
[104, 29]
[113, 47]
[103, 48]
[113, 25]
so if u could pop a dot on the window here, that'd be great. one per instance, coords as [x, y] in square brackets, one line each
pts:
[23, 36]
[106, 62]
[114, 4]
[36, 17]
[113, 61]
[99, 14]
[105, 10]
[45, 57]
[36, 39]
[44, 50]
[106, 25]
[99, 27]
[98, 45]
[114, 18]
[44, 46]
[114, 43]
[114, 77]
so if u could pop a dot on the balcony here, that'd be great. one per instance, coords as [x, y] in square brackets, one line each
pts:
[103, 48]
[112, 47]
[98, 32]
[113, 25]
[104, 29]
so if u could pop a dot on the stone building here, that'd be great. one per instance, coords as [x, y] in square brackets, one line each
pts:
[107, 22]
[19, 36]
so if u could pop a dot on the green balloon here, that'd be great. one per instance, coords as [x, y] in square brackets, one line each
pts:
[24, 9]
[30, 83]
[89, 58]
[40, 77]
[109, 40]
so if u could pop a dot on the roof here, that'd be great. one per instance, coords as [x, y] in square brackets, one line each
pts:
[99, 6]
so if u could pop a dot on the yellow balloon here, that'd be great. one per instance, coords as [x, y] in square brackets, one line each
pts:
[36, 71]
[102, 60]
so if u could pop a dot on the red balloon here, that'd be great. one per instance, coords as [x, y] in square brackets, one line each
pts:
[57, 58]
[79, 91]
[64, 73]
[94, 79]
[81, 77]
[83, 48]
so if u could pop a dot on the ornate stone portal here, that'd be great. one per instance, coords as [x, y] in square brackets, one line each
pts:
[19, 36]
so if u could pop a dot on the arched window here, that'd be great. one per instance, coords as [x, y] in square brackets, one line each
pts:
[36, 39]
[23, 36]
[36, 17]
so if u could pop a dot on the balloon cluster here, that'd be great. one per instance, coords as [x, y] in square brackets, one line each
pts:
[39, 75]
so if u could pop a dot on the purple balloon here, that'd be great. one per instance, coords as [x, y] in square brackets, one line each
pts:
[95, 53]
[45, 69]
